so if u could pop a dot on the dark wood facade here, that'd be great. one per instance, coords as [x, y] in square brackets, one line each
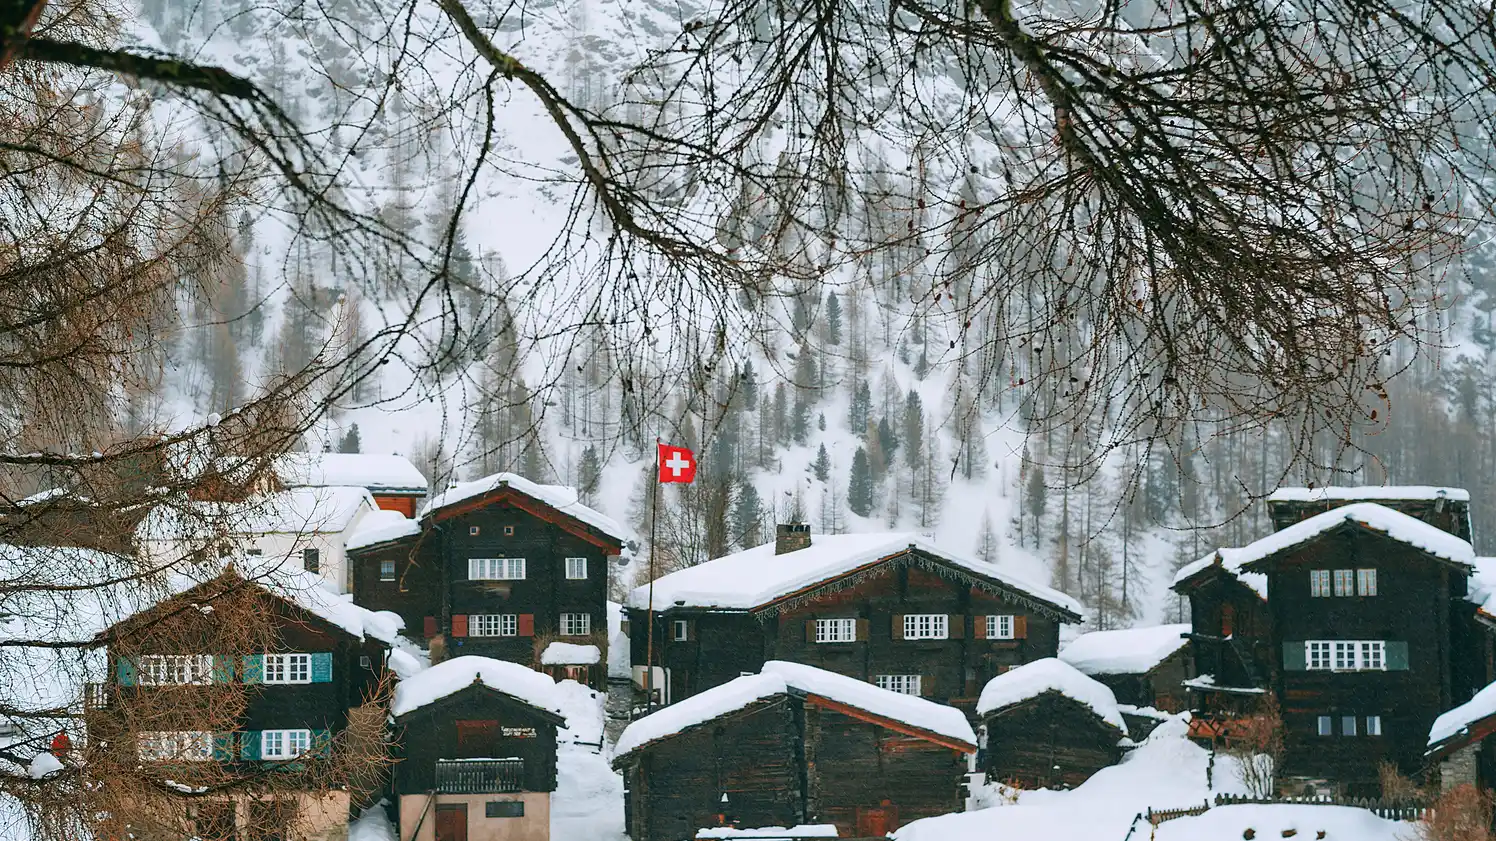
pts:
[785, 761]
[1047, 741]
[1441, 512]
[1161, 687]
[715, 646]
[1230, 642]
[429, 584]
[478, 722]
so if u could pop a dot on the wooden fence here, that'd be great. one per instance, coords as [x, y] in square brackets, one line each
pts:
[1396, 810]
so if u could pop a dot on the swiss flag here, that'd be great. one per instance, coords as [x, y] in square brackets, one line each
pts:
[677, 464]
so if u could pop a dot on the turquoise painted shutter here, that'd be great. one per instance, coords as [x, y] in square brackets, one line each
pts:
[249, 744]
[223, 668]
[322, 667]
[321, 743]
[254, 668]
[1293, 657]
[1397, 656]
[223, 746]
[124, 671]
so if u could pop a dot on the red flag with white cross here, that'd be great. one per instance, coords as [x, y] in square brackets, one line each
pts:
[677, 464]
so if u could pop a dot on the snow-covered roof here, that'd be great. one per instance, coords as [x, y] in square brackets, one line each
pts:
[779, 678]
[1207, 683]
[755, 577]
[1129, 651]
[296, 511]
[1229, 561]
[559, 497]
[769, 833]
[378, 473]
[1050, 675]
[1368, 493]
[1394, 524]
[452, 676]
[570, 654]
[1454, 722]
[381, 526]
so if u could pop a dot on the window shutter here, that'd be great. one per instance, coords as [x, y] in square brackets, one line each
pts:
[810, 630]
[527, 624]
[223, 746]
[978, 627]
[124, 671]
[1293, 657]
[927, 685]
[898, 626]
[459, 625]
[691, 630]
[428, 625]
[862, 630]
[249, 744]
[254, 668]
[322, 667]
[223, 668]
[957, 624]
[321, 743]
[1020, 627]
[1397, 656]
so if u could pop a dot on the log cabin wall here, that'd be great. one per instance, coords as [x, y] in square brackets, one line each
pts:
[1231, 639]
[716, 647]
[675, 786]
[1411, 613]
[458, 727]
[1048, 741]
[1452, 516]
[415, 591]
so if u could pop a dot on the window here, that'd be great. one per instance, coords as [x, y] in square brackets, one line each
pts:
[504, 809]
[476, 738]
[364, 662]
[681, 630]
[576, 568]
[509, 531]
[1347, 725]
[1373, 725]
[173, 669]
[903, 684]
[288, 668]
[284, 744]
[1325, 726]
[1366, 582]
[474, 531]
[925, 626]
[1319, 582]
[1000, 627]
[254, 553]
[184, 746]
[311, 560]
[1349, 655]
[1345, 582]
[496, 569]
[386, 570]
[836, 630]
[493, 625]
[576, 624]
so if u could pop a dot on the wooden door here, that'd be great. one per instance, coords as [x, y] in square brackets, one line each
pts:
[877, 822]
[451, 822]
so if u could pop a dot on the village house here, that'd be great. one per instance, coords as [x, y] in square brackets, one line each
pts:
[393, 482]
[1046, 725]
[498, 567]
[1230, 641]
[791, 746]
[282, 711]
[1146, 669]
[890, 609]
[476, 743]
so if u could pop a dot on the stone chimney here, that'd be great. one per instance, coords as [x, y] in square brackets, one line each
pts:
[789, 537]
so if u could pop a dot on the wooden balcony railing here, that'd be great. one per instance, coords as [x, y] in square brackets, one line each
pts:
[479, 776]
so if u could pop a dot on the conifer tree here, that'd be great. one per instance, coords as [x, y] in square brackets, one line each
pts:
[914, 429]
[748, 386]
[833, 319]
[860, 485]
[862, 407]
[747, 517]
[589, 474]
[350, 442]
[822, 466]
[781, 415]
[888, 442]
[987, 540]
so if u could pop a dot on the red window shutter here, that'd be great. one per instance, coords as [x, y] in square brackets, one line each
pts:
[527, 624]
[459, 624]
[978, 627]
[927, 686]
[1228, 618]
[957, 626]
[429, 626]
[810, 630]
[898, 626]
[1020, 627]
[862, 630]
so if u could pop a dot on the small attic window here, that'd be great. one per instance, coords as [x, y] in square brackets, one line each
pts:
[473, 531]
[509, 531]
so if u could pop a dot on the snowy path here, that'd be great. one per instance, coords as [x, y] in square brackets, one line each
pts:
[588, 803]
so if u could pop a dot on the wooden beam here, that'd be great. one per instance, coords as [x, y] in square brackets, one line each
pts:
[891, 724]
[531, 505]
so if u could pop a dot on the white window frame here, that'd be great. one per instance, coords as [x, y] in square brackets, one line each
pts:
[1373, 725]
[1317, 655]
[1345, 655]
[680, 630]
[1366, 582]
[287, 668]
[496, 569]
[902, 684]
[1319, 583]
[284, 744]
[174, 670]
[1000, 626]
[926, 626]
[576, 624]
[1344, 583]
[493, 625]
[174, 746]
[390, 565]
[576, 569]
[836, 630]
[1325, 726]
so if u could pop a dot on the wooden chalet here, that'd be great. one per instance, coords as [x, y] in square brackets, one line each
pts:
[394, 482]
[476, 743]
[196, 689]
[889, 609]
[791, 746]
[1144, 667]
[1230, 641]
[498, 567]
[1046, 725]
[1446, 509]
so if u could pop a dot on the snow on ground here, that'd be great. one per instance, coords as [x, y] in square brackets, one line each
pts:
[583, 708]
[619, 664]
[1278, 821]
[373, 825]
[588, 803]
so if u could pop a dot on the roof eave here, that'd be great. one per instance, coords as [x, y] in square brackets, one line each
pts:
[1254, 565]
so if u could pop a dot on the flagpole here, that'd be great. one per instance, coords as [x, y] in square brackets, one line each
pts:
[654, 513]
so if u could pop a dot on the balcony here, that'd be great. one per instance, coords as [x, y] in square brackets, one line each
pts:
[479, 776]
